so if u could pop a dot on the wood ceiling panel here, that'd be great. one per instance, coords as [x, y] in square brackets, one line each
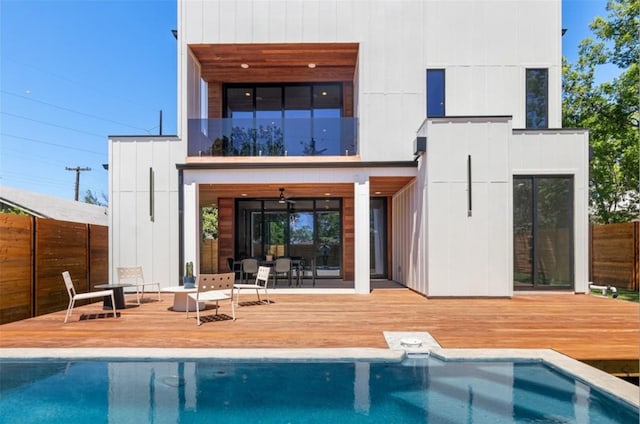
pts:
[277, 62]
[279, 74]
[386, 186]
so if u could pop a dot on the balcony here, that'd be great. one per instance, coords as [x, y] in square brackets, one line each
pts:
[273, 137]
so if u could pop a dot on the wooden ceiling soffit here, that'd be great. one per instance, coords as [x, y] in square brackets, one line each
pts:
[379, 186]
[277, 62]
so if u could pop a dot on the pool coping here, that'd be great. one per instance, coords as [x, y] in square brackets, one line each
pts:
[607, 383]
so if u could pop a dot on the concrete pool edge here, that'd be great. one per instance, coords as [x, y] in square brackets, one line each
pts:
[324, 354]
[594, 377]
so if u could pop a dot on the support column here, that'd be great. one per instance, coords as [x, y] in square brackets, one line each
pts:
[361, 234]
[191, 235]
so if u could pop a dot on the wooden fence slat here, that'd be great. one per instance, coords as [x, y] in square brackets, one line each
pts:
[33, 254]
[614, 255]
[16, 263]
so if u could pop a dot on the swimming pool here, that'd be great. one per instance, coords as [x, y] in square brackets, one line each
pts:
[195, 390]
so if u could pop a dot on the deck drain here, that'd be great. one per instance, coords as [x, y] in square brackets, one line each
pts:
[411, 342]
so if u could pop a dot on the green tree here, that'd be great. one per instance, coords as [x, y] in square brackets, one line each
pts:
[609, 110]
[209, 222]
[91, 198]
[4, 208]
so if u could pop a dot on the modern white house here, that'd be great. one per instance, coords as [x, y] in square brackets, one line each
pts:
[413, 141]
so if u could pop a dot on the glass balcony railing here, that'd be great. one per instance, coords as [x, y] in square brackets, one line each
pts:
[272, 137]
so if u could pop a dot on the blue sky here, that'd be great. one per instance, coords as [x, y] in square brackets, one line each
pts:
[74, 72]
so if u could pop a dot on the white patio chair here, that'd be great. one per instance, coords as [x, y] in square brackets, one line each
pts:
[133, 275]
[212, 288]
[261, 283]
[73, 296]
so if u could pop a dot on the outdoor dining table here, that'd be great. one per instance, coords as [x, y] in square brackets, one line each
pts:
[181, 297]
[296, 265]
[118, 295]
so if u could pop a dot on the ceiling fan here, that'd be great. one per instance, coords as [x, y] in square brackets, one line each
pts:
[283, 199]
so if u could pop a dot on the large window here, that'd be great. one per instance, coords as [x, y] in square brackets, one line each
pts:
[543, 232]
[378, 237]
[435, 93]
[537, 98]
[285, 119]
[310, 229]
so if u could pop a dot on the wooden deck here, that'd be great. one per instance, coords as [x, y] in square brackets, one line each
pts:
[601, 331]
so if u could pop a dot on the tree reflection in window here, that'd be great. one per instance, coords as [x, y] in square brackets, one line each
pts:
[537, 98]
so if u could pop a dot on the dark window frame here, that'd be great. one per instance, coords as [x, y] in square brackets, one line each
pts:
[440, 92]
[535, 179]
[536, 109]
[254, 86]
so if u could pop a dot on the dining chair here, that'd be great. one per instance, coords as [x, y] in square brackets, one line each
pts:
[73, 296]
[282, 267]
[249, 268]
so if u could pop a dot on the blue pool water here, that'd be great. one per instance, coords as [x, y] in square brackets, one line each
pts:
[417, 390]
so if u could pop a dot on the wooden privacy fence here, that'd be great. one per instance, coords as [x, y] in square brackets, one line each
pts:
[33, 254]
[615, 255]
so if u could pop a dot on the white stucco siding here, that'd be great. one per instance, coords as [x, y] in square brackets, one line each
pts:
[469, 255]
[134, 238]
[409, 247]
[485, 48]
[486, 52]
[561, 152]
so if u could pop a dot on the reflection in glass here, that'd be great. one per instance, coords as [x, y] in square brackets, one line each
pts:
[522, 231]
[537, 98]
[435, 93]
[276, 120]
[416, 390]
[378, 237]
[543, 232]
[307, 229]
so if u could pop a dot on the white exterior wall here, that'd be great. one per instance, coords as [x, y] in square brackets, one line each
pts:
[409, 236]
[485, 47]
[134, 239]
[469, 255]
[563, 152]
[473, 255]
[487, 50]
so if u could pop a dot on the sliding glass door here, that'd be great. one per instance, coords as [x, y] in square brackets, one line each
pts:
[543, 232]
[378, 237]
[310, 229]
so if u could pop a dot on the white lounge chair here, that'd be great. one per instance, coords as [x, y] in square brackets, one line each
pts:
[212, 288]
[133, 275]
[261, 283]
[73, 296]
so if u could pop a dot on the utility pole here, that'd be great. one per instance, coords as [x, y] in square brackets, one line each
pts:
[78, 170]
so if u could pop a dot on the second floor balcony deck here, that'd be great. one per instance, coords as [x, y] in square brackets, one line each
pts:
[272, 137]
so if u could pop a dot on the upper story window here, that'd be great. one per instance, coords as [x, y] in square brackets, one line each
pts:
[304, 119]
[204, 105]
[283, 101]
[537, 98]
[435, 93]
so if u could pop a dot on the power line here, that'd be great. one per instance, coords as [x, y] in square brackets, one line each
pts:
[66, 78]
[52, 125]
[71, 110]
[51, 144]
